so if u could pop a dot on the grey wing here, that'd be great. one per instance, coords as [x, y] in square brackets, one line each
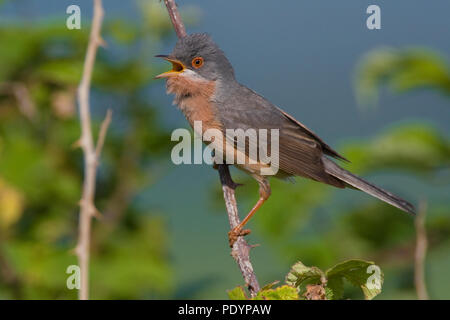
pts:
[300, 150]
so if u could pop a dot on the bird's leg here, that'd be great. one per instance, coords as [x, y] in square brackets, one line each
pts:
[264, 193]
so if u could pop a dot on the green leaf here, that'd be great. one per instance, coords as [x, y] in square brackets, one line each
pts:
[281, 293]
[330, 294]
[360, 273]
[237, 293]
[270, 285]
[335, 288]
[301, 275]
[374, 282]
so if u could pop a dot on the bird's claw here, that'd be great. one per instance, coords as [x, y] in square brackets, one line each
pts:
[235, 233]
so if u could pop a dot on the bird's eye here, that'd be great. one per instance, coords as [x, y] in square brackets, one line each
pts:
[197, 62]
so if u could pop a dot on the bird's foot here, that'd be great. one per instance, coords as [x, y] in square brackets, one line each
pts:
[235, 233]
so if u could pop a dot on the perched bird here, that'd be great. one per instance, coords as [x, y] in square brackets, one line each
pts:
[203, 82]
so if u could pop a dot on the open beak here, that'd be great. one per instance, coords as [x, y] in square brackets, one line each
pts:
[177, 67]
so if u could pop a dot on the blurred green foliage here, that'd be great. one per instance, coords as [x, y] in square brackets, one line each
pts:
[40, 171]
[400, 70]
[416, 148]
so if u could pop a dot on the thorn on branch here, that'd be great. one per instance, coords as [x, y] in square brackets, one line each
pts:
[76, 144]
[102, 134]
[101, 42]
[77, 251]
[96, 213]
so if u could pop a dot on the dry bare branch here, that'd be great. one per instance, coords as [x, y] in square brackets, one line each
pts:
[241, 249]
[420, 254]
[90, 152]
[174, 15]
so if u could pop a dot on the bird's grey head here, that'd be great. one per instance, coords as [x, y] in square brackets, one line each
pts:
[197, 55]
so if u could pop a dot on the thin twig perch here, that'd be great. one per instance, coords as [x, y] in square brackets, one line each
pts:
[241, 249]
[420, 254]
[90, 152]
[178, 24]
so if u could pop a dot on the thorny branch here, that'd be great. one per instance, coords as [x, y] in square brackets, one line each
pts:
[241, 249]
[421, 251]
[174, 15]
[91, 152]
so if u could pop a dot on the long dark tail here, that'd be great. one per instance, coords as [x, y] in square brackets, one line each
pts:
[355, 181]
